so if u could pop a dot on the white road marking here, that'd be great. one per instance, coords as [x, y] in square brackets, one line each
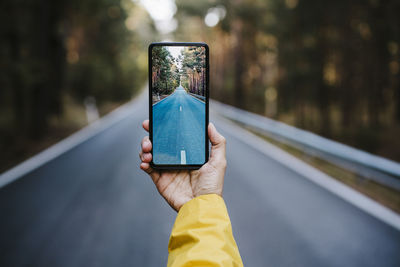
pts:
[180, 108]
[74, 140]
[183, 157]
[325, 181]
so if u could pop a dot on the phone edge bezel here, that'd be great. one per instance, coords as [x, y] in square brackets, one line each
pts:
[179, 166]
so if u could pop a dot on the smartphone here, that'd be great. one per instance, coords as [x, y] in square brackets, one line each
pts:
[178, 108]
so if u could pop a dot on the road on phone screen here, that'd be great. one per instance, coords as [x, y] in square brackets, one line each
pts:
[93, 206]
[178, 122]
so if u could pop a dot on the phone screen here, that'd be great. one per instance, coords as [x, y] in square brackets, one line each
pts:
[179, 103]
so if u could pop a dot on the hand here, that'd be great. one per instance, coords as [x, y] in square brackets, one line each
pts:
[179, 186]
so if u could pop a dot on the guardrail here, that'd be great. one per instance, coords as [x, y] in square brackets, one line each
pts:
[203, 98]
[370, 166]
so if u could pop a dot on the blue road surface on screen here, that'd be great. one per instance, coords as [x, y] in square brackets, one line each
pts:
[179, 129]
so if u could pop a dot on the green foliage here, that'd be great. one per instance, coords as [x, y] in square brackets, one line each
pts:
[165, 73]
[193, 65]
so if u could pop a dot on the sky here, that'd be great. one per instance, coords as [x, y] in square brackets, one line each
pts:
[175, 52]
[162, 12]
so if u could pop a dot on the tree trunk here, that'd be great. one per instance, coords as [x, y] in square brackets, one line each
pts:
[239, 98]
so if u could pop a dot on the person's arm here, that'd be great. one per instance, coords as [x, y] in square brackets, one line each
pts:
[202, 235]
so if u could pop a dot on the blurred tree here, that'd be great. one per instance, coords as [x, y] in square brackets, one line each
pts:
[327, 66]
[97, 41]
[52, 50]
[32, 63]
[49, 48]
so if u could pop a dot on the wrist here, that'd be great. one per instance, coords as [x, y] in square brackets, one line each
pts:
[189, 199]
[209, 198]
[179, 204]
[203, 192]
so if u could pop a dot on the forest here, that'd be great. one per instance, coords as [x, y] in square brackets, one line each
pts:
[55, 54]
[186, 69]
[331, 67]
[193, 70]
[165, 73]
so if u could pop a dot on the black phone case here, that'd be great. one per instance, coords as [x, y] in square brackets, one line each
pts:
[179, 166]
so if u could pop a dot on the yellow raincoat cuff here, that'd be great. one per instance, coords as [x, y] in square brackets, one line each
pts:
[202, 235]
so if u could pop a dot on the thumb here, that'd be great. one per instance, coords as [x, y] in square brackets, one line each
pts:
[218, 144]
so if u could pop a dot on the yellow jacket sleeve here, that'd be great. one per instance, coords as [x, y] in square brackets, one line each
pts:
[202, 235]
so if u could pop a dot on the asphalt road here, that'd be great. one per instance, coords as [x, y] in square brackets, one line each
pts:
[179, 129]
[92, 206]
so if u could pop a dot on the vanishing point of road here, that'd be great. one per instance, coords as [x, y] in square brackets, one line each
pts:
[179, 129]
